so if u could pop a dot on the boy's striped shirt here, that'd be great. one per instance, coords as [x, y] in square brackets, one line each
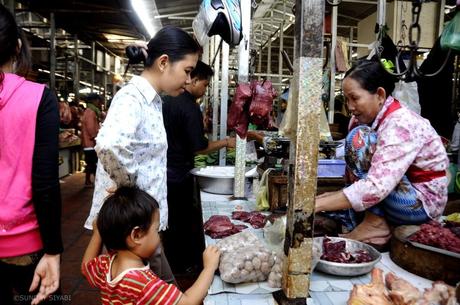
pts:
[138, 286]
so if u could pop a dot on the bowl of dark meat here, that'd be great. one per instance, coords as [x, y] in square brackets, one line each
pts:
[346, 257]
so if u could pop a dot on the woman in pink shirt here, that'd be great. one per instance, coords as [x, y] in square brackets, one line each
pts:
[396, 161]
[30, 201]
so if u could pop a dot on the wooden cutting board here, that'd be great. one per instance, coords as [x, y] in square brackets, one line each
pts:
[423, 262]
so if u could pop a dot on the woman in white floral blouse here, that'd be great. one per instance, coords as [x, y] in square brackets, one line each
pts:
[396, 161]
[132, 144]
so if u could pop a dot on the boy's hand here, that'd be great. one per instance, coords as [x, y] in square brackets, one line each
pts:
[211, 257]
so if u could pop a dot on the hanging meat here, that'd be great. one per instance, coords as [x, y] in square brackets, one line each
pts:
[238, 116]
[261, 103]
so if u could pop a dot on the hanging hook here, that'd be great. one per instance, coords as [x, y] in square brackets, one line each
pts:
[415, 34]
[333, 3]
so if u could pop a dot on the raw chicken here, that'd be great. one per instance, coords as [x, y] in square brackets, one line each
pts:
[401, 291]
[440, 293]
[374, 293]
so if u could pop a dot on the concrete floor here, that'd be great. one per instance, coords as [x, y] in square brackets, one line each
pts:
[76, 203]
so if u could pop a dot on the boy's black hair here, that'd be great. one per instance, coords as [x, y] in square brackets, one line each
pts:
[202, 71]
[126, 209]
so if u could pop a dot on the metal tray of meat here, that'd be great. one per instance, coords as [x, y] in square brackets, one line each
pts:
[434, 249]
[349, 269]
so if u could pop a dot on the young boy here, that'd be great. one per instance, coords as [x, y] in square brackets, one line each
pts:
[127, 224]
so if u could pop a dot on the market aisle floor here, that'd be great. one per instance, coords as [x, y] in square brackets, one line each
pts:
[76, 203]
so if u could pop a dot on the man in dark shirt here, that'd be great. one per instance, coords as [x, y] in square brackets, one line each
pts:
[185, 131]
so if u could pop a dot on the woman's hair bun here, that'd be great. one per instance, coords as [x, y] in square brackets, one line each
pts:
[135, 55]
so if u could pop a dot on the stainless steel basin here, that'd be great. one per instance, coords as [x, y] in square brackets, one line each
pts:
[215, 183]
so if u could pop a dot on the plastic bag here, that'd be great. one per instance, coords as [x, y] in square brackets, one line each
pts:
[407, 94]
[251, 152]
[276, 274]
[288, 126]
[262, 203]
[244, 258]
[275, 233]
[450, 37]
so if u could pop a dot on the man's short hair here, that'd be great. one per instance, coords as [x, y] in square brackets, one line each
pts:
[93, 97]
[202, 71]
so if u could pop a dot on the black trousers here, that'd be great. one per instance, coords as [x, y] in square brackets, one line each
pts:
[15, 282]
[183, 241]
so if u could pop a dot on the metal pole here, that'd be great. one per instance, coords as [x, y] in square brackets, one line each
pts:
[381, 12]
[442, 5]
[269, 58]
[243, 77]
[104, 75]
[215, 96]
[306, 90]
[76, 76]
[332, 62]
[281, 45]
[66, 68]
[280, 55]
[213, 83]
[259, 64]
[205, 59]
[350, 48]
[52, 53]
[224, 102]
[93, 67]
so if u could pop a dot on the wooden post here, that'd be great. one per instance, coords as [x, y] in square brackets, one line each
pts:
[306, 90]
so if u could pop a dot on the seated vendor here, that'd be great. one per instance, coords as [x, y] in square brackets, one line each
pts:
[396, 161]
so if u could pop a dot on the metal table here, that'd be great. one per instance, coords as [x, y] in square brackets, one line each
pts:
[325, 289]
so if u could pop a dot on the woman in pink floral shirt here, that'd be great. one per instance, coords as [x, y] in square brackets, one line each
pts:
[396, 161]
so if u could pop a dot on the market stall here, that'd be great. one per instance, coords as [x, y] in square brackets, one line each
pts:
[69, 152]
[324, 288]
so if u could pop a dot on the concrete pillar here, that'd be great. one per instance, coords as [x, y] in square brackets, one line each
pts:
[243, 77]
[224, 101]
[306, 91]
[215, 96]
